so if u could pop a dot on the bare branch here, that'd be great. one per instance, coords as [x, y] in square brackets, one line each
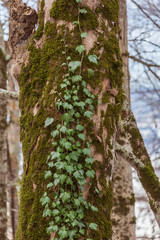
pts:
[8, 95]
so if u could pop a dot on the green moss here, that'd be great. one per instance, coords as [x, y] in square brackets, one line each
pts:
[64, 10]
[39, 31]
[106, 97]
[110, 10]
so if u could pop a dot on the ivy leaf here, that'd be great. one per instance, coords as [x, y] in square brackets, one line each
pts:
[55, 212]
[88, 114]
[83, 35]
[54, 133]
[83, 11]
[74, 65]
[75, 23]
[49, 185]
[72, 233]
[89, 160]
[94, 209]
[93, 59]
[78, 1]
[65, 196]
[90, 72]
[47, 174]
[62, 178]
[51, 164]
[63, 129]
[56, 181]
[45, 200]
[86, 151]
[90, 173]
[76, 78]
[52, 229]
[48, 122]
[93, 226]
[79, 127]
[82, 136]
[47, 212]
[80, 49]
[77, 202]
[67, 145]
[63, 233]
[74, 155]
[69, 169]
[67, 117]
[55, 155]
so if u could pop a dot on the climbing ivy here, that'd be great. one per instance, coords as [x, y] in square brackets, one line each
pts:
[70, 162]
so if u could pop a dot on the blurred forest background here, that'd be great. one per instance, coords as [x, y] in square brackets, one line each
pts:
[144, 55]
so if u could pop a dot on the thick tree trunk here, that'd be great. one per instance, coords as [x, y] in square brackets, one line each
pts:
[123, 217]
[3, 148]
[37, 102]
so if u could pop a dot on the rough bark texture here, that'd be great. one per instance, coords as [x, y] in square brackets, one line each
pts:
[131, 147]
[3, 152]
[123, 217]
[37, 81]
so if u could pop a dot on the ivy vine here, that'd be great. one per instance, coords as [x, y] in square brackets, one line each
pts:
[70, 162]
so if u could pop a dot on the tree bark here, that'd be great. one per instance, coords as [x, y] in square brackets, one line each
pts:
[44, 72]
[123, 217]
[3, 149]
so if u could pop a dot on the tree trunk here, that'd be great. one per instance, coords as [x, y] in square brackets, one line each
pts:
[3, 146]
[53, 52]
[123, 217]
[37, 102]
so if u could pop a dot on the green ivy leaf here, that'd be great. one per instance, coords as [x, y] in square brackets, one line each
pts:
[78, 1]
[83, 35]
[94, 209]
[90, 72]
[54, 133]
[93, 226]
[55, 212]
[47, 212]
[79, 127]
[90, 173]
[55, 155]
[67, 145]
[65, 196]
[75, 23]
[86, 151]
[82, 136]
[56, 182]
[45, 200]
[73, 65]
[74, 155]
[52, 229]
[93, 59]
[49, 185]
[89, 160]
[83, 11]
[63, 233]
[63, 129]
[76, 78]
[88, 114]
[48, 174]
[80, 49]
[69, 169]
[48, 122]
[67, 117]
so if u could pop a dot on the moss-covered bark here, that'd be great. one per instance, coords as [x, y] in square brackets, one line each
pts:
[38, 80]
[132, 148]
